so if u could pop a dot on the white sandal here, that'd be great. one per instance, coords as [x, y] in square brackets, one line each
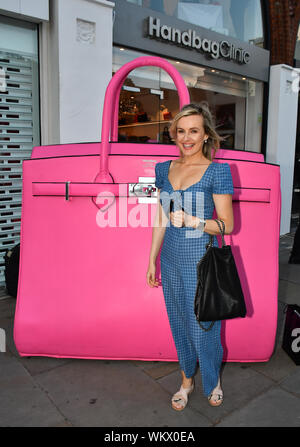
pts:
[216, 392]
[182, 397]
[215, 402]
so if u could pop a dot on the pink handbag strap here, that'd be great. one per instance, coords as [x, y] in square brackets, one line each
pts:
[111, 104]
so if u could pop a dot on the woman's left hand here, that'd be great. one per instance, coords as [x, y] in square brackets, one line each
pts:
[181, 219]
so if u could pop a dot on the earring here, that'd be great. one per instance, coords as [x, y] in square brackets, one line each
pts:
[205, 141]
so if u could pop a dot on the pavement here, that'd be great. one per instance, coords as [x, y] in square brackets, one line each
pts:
[50, 392]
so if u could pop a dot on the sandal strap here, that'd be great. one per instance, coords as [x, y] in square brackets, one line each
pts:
[182, 394]
[220, 396]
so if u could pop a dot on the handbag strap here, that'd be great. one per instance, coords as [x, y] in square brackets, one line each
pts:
[210, 244]
[206, 329]
[222, 231]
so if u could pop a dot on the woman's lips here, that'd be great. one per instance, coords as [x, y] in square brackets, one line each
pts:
[188, 146]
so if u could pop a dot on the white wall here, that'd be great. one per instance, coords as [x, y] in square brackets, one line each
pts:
[281, 133]
[76, 61]
[253, 115]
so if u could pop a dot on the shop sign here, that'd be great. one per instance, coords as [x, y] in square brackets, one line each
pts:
[190, 39]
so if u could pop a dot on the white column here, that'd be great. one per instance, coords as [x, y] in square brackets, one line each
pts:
[281, 133]
[76, 66]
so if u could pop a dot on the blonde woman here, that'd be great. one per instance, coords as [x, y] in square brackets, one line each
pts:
[194, 185]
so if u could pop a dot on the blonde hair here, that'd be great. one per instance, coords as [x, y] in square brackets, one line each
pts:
[202, 109]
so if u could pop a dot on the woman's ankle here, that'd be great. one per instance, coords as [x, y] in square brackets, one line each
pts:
[187, 382]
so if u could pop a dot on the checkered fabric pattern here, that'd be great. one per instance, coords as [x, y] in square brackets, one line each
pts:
[180, 254]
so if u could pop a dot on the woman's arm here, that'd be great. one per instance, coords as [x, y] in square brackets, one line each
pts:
[158, 232]
[223, 205]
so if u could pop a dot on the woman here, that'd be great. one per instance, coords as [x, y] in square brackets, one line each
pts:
[196, 186]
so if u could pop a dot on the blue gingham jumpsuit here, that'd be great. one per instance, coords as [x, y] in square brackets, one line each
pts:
[180, 253]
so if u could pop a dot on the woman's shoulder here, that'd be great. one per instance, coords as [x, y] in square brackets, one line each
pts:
[221, 166]
[163, 163]
[220, 163]
[161, 169]
[222, 179]
[162, 166]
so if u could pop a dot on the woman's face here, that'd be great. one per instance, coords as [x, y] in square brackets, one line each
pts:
[190, 134]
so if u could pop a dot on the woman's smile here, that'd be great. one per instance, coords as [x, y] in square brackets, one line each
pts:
[188, 146]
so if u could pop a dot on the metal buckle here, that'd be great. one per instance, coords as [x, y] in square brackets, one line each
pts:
[67, 191]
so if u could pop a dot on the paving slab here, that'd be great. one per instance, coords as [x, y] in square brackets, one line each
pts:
[157, 369]
[23, 403]
[113, 393]
[239, 383]
[275, 408]
[292, 382]
[288, 292]
[278, 367]
[7, 307]
[7, 323]
[289, 272]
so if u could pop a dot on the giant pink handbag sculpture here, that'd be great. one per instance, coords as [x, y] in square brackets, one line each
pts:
[86, 238]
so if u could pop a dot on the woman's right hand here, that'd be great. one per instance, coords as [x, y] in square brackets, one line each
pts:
[151, 280]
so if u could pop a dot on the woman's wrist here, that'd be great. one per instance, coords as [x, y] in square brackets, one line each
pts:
[199, 224]
[196, 222]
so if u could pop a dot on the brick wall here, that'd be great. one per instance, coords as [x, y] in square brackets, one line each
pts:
[284, 20]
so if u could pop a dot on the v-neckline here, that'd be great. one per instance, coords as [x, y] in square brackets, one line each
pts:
[170, 161]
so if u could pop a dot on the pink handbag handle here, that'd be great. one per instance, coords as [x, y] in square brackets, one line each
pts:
[111, 104]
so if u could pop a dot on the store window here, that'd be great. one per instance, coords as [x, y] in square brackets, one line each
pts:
[241, 19]
[149, 101]
[19, 121]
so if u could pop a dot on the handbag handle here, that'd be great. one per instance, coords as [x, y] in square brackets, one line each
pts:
[111, 103]
[222, 231]
[184, 97]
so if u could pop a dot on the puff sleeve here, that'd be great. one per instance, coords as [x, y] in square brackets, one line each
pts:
[158, 176]
[222, 179]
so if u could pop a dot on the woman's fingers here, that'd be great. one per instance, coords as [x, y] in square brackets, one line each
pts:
[151, 280]
[177, 218]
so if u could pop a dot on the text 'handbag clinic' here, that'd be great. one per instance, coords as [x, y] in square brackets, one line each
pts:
[219, 295]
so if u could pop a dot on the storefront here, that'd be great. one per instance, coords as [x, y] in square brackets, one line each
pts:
[218, 47]
[296, 181]
[58, 58]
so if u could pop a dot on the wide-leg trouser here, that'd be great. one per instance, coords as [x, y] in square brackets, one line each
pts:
[179, 281]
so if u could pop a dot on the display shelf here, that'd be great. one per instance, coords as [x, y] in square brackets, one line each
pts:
[224, 131]
[147, 123]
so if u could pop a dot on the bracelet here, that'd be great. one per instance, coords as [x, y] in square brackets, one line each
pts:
[201, 225]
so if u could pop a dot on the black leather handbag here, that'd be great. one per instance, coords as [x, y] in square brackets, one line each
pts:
[219, 294]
